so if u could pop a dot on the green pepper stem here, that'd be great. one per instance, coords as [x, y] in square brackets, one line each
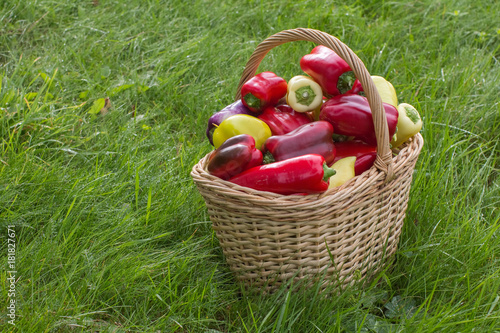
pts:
[345, 82]
[412, 114]
[327, 172]
[252, 101]
[268, 158]
[305, 95]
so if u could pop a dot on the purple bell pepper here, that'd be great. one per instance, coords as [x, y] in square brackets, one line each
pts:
[217, 118]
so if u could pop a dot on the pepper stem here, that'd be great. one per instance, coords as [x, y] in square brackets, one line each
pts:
[345, 82]
[305, 95]
[327, 172]
[252, 101]
[268, 158]
[412, 114]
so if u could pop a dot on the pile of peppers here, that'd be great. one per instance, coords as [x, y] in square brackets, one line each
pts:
[305, 135]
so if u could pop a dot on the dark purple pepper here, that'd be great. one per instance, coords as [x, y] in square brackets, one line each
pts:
[234, 156]
[230, 110]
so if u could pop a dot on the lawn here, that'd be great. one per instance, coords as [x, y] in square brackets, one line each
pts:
[103, 110]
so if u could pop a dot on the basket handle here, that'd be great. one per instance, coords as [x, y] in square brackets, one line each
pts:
[384, 160]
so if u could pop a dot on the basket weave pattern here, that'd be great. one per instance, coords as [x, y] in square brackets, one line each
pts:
[343, 234]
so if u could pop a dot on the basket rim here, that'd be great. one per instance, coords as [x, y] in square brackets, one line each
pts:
[408, 153]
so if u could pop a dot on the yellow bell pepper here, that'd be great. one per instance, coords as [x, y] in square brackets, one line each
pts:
[344, 171]
[409, 124]
[304, 94]
[242, 124]
[386, 90]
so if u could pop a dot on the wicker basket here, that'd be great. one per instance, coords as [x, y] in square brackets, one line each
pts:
[343, 235]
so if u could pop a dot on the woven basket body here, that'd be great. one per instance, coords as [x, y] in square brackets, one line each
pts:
[343, 235]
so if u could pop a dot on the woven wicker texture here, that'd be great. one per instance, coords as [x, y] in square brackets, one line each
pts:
[344, 234]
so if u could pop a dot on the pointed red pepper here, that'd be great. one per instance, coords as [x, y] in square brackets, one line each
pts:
[365, 154]
[328, 69]
[282, 119]
[351, 115]
[302, 174]
[312, 138]
[264, 89]
[234, 156]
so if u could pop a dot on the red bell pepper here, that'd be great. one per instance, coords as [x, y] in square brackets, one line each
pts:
[312, 138]
[328, 69]
[283, 119]
[264, 89]
[301, 174]
[351, 115]
[235, 155]
[365, 154]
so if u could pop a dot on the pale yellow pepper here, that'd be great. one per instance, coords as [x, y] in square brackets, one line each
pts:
[386, 90]
[304, 94]
[344, 171]
[409, 124]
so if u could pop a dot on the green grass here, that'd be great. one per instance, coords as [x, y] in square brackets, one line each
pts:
[112, 235]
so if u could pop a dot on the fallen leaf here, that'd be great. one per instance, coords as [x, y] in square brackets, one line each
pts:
[106, 107]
